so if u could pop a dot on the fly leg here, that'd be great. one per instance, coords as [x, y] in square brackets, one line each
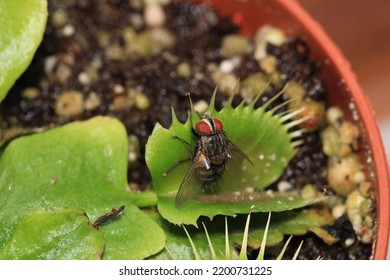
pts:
[175, 165]
[181, 140]
[180, 161]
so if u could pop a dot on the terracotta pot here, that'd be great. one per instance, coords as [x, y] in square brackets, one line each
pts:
[342, 88]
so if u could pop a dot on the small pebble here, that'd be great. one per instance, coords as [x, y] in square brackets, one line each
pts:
[122, 103]
[365, 189]
[68, 30]
[201, 106]
[92, 101]
[49, 64]
[349, 133]
[114, 52]
[341, 174]
[309, 191]
[349, 242]
[313, 112]
[267, 34]
[132, 186]
[69, 104]
[183, 70]
[141, 101]
[154, 15]
[134, 149]
[63, 72]
[294, 91]
[233, 45]
[118, 89]
[30, 93]
[84, 78]
[59, 18]
[338, 211]
[228, 65]
[227, 83]
[284, 186]
[359, 177]
[334, 116]
[268, 64]
[253, 85]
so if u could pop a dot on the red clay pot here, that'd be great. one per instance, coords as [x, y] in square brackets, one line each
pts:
[342, 87]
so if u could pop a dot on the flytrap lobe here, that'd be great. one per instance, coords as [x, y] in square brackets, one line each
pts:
[204, 169]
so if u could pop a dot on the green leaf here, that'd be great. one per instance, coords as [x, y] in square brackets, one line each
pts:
[80, 165]
[135, 236]
[281, 224]
[22, 24]
[261, 134]
[62, 234]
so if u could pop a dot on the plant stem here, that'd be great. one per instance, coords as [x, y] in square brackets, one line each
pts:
[144, 199]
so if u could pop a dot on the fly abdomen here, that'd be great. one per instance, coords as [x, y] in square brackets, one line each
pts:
[211, 175]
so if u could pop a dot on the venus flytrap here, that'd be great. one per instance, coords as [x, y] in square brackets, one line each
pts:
[269, 137]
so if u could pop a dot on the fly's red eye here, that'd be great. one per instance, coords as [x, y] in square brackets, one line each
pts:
[203, 127]
[218, 125]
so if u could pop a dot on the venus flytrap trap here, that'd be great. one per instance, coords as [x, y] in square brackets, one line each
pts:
[268, 137]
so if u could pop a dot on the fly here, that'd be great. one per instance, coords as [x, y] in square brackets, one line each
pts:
[210, 157]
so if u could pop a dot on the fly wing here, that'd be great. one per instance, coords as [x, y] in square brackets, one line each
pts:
[235, 156]
[191, 184]
[188, 186]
